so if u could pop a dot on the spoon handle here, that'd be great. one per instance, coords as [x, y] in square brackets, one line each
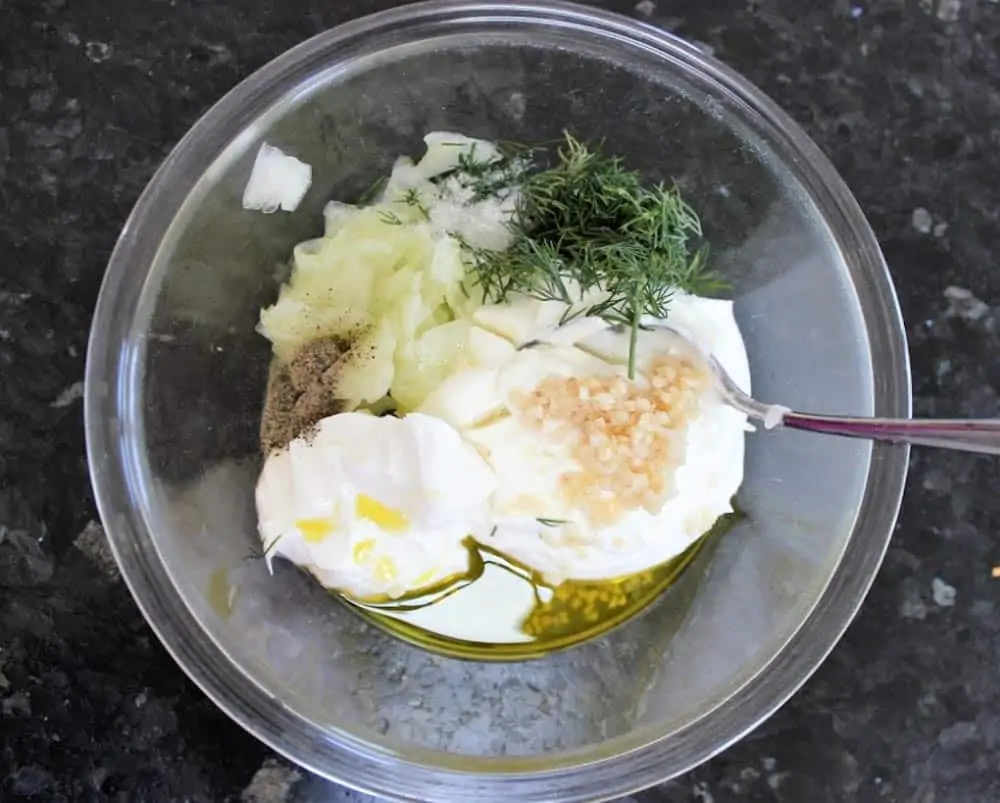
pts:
[964, 435]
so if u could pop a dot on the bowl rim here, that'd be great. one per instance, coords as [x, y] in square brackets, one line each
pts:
[351, 761]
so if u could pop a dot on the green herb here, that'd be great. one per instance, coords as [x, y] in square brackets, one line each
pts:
[589, 224]
[390, 218]
[551, 522]
[469, 164]
[259, 553]
[490, 179]
[412, 198]
[369, 195]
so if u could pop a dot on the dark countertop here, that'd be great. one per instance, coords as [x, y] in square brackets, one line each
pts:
[905, 98]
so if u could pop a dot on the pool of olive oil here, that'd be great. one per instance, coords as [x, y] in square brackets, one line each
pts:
[561, 616]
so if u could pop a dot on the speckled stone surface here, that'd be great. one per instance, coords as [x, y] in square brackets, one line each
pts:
[904, 96]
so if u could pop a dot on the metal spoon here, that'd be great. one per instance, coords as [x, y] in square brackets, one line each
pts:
[964, 435]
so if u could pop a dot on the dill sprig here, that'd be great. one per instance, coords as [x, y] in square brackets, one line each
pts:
[390, 218]
[588, 224]
[370, 195]
[488, 179]
[412, 198]
[263, 552]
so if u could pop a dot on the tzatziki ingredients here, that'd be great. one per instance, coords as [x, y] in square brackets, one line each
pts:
[472, 425]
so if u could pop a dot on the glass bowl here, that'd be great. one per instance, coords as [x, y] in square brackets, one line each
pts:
[176, 373]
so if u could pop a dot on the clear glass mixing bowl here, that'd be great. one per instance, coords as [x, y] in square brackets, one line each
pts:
[176, 373]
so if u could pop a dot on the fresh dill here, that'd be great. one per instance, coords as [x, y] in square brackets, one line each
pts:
[551, 522]
[260, 553]
[492, 178]
[589, 226]
[369, 195]
[412, 198]
[390, 218]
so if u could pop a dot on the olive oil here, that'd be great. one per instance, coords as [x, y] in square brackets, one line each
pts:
[221, 594]
[562, 616]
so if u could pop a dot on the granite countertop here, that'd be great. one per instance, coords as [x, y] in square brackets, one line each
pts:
[904, 96]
